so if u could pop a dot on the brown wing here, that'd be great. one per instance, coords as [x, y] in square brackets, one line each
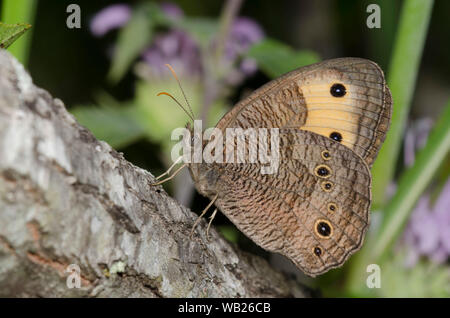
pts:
[317, 220]
[302, 99]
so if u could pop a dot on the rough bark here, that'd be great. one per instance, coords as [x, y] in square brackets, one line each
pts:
[68, 198]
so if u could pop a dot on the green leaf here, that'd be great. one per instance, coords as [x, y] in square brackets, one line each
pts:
[405, 61]
[15, 11]
[133, 38]
[201, 29]
[117, 125]
[11, 32]
[229, 232]
[275, 58]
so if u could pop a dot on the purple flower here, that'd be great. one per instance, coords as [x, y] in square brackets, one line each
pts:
[175, 48]
[428, 232]
[415, 138]
[248, 66]
[244, 33]
[117, 15]
[171, 10]
[111, 17]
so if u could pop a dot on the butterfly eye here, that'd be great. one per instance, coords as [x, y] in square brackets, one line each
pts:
[336, 136]
[338, 90]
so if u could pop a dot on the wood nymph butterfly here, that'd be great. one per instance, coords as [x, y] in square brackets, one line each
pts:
[332, 118]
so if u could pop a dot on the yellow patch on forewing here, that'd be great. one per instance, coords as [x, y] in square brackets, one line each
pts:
[328, 114]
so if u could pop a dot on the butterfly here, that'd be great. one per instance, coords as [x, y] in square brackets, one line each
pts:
[331, 119]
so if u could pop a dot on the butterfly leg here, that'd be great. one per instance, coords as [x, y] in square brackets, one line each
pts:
[169, 178]
[170, 169]
[211, 218]
[202, 214]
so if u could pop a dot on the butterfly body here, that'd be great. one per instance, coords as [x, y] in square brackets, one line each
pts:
[330, 119]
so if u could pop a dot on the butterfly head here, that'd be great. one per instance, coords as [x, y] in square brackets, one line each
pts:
[203, 174]
[205, 178]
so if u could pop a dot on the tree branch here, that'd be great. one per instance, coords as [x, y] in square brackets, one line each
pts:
[68, 198]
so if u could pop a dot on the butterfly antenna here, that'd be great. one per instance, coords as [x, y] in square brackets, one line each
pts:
[181, 88]
[182, 107]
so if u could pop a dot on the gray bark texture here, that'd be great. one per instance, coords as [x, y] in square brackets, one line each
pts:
[68, 198]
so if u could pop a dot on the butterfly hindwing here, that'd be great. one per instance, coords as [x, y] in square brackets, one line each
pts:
[281, 212]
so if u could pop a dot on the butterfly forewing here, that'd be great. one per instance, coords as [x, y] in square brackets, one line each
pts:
[357, 115]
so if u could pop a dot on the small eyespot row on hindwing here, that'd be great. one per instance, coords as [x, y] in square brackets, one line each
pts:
[325, 155]
[323, 228]
[323, 171]
[327, 186]
[332, 207]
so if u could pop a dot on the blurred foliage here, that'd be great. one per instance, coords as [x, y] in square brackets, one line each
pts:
[403, 70]
[412, 184]
[200, 28]
[405, 61]
[229, 232]
[152, 109]
[275, 58]
[423, 280]
[129, 45]
[112, 121]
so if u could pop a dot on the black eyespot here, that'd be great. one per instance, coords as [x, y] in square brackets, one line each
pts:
[318, 251]
[332, 207]
[338, 90]
[327, 186]
[322, 171]
[324, 229]
[326, 155]
[336, 136]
